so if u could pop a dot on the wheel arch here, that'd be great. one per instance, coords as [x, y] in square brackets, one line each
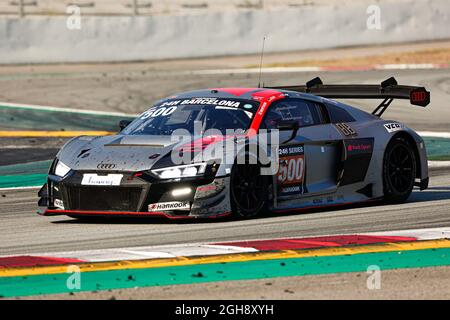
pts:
[412, 142]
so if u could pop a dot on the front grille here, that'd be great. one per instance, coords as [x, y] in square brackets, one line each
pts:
[104, 198]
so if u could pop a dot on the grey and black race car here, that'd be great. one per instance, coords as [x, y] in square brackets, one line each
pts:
[201, 154]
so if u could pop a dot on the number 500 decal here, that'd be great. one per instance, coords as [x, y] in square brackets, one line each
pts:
[153, 113]
[291, 170]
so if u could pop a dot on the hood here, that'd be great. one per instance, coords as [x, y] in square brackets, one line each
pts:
[119, 152]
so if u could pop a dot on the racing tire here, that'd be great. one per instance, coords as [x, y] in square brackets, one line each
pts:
[248, 190]
[399, 171]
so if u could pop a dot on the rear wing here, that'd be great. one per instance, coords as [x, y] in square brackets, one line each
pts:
[387, 90]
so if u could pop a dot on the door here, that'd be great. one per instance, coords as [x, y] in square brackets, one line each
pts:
[309, 161]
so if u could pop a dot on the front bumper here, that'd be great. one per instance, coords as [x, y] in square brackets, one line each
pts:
[209, 198]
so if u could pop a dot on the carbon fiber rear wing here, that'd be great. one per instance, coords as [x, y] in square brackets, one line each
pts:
[387, 90]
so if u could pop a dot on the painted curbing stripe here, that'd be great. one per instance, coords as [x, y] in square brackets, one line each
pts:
[59, 134]
[244, 257]
[152, 252]
[218, 272]
[251, 245]
[318, 242]
[419, 234]
[35, 261]
[189, 250]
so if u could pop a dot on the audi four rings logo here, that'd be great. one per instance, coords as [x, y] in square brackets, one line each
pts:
[106, 166]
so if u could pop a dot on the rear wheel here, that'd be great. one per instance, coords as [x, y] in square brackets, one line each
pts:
[399, 171]
[249, 190]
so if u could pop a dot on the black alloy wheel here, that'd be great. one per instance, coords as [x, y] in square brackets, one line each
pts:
[249, 190]
[399, 171]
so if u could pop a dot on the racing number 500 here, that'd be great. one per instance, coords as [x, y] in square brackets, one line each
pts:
[153, 113]
[291, 170]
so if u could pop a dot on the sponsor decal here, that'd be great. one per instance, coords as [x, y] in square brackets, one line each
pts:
[168, 107]
[202, 101]
[393, 127]
[92, 179]
[318, 201]
[358, 154]
[291, 171]
[346, 130]
[262, 109]
[359, 146]
[167, 206]
[59, 204]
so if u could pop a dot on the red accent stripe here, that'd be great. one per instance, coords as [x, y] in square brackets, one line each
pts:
[266, 98]
[50, 212]
[29, 261]
[235, 91]
[316, 242]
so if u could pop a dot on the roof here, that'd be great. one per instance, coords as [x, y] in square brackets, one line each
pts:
[243, 93]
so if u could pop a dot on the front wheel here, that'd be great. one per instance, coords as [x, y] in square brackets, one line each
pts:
[399, 171]
[249, 190]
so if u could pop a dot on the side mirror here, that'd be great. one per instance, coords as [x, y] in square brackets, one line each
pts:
[286, 125]
[123, 124]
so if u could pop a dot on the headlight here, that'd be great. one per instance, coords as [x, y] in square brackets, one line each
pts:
[61, 169]
[190, 170]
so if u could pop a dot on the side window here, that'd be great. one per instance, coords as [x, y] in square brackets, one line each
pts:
[304, 112]
[338, 115]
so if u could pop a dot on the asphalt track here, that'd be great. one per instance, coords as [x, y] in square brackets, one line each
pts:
[23, 231]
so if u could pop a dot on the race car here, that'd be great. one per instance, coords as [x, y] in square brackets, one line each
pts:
[317, 152]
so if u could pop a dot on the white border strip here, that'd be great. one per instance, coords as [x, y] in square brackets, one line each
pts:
[21, 188]
[418, 66]
[439, 164]
[69, 110]
[202, 249]
[434, 134]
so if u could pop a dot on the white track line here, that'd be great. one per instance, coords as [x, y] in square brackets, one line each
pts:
[433, 134]
[317, 69]
[69, 110]
[438, 164]
[20, 188]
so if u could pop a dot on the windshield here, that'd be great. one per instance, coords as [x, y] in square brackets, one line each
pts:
[206, 113]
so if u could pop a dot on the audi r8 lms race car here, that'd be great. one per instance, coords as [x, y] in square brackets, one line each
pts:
[243, 151]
